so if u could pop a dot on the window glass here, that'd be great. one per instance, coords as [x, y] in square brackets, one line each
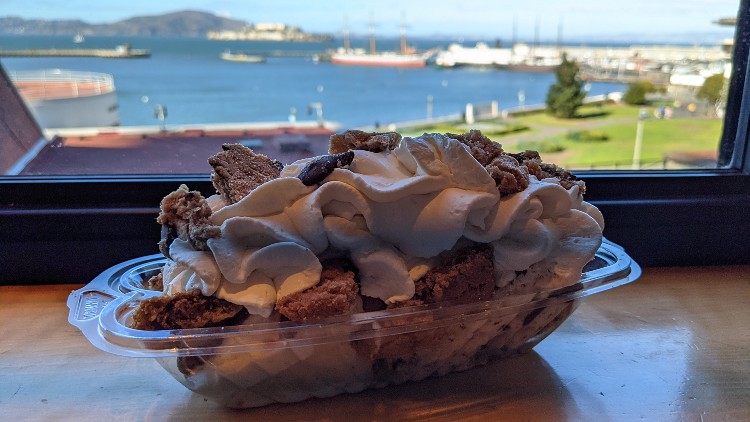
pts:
[156, 88]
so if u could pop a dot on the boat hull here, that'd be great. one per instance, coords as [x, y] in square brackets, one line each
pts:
[394, 60]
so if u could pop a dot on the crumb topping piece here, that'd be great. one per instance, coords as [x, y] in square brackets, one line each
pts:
[467, 275]
[511, 171]
[318, 169]
[238, 170]
[480, 146]
[184, 214]
[359, 140]
[533, 162]
[335, 294]
[185, 310]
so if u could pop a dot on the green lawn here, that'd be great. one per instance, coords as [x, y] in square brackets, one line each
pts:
[618, 122]
[659, 137]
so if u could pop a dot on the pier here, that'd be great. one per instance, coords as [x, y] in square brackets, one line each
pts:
[120, 52]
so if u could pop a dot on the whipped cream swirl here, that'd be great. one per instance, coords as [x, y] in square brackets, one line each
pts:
[392, 213]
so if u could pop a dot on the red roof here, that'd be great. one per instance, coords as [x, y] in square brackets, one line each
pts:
[170, 152]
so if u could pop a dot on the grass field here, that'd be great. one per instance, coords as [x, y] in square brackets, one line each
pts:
[684, 133]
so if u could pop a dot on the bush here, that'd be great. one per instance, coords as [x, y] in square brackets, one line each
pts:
[588, 136]
[636, 93]
[541, 147]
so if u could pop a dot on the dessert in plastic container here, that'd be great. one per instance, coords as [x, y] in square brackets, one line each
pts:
[255, 364]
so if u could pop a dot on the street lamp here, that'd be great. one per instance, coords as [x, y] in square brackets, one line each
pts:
[160, 112]
[642, 116]
[429, 107]
[318, 109]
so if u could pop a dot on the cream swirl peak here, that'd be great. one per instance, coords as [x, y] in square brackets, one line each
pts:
[391, 214]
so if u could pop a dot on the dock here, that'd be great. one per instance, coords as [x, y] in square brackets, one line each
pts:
[120, 52]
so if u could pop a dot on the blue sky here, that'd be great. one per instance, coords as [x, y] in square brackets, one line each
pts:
[482, 18]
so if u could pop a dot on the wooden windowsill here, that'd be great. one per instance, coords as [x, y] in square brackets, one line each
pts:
[673, 345]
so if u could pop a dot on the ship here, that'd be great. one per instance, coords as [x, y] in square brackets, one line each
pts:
[520, 58]
[243, 57]
[64, 99]
[480, 55]
[407, 57]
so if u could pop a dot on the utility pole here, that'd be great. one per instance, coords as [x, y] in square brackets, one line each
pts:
[642, 116]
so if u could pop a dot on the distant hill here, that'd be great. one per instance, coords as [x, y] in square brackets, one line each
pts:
[187, 23]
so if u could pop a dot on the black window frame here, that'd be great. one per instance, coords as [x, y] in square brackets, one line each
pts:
[68, 229]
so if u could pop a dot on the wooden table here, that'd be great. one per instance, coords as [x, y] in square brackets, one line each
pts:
[674, 345]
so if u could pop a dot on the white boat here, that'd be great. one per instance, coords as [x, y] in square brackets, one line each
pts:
[480, 55]
[78, 38]
[242, 57]
[65, 99]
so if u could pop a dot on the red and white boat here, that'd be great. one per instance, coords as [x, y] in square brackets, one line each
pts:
[408, 57]
[361, 58]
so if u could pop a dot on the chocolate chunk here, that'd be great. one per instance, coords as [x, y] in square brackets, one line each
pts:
[319, 168]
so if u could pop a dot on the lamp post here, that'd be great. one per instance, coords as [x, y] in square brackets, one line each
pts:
[642, 116]
[429, 107]
[318, 109]
[160, 112]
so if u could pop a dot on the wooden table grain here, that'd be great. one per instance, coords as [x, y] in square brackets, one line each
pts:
[672, 346]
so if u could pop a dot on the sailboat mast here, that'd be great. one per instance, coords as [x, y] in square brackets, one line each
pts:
[372, 35]
[403, 34]
[347, 45]
[536, 38]
[559, 35]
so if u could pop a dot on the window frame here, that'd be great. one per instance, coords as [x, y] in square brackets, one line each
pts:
[68, 229]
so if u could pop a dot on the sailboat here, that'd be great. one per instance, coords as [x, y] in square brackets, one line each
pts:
[407, 57]
[78, 38]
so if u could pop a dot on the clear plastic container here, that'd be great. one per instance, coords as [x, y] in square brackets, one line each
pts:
[257, 364]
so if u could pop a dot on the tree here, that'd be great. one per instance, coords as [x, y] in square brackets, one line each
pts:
[567, 94]
[711, 90]
[636, 93]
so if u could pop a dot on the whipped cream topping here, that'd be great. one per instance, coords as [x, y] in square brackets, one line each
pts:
[392, 213]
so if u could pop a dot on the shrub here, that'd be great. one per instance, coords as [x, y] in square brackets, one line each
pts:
[541, 147]
[588, 136]
[636, 93]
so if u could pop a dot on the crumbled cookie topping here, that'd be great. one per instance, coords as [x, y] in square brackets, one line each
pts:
[533, 162]
[185, 310]
[359, 140]
[335, 294]
[238, 170]
[185, 215]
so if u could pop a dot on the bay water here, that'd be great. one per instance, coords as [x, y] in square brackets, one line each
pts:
[188, 77]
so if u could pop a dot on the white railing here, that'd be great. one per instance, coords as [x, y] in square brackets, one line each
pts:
[58, 83]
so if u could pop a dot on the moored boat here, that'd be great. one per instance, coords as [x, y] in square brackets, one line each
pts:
[480, 55]
[407, 57]
[242, 57]
[392, 59]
